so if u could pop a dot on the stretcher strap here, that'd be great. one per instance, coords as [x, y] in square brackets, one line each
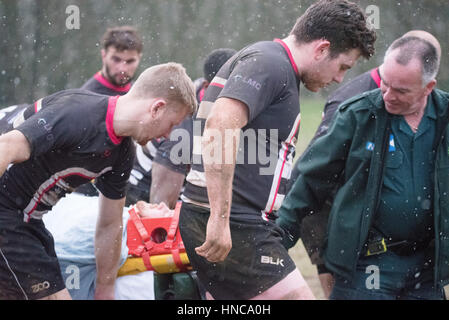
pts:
[147, 261]
[141, 229]
[173, 227]
[177, 260]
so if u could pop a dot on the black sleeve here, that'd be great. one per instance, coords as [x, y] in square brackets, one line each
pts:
[113, 183]
[256, 80]
[360, 84]
[52, 128]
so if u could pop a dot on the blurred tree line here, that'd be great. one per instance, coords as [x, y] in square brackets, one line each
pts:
[41, 55]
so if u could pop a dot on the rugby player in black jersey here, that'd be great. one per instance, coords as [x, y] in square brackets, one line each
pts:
[234, 190]
[77, 136]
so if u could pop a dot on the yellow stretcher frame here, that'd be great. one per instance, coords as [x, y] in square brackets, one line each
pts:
[161, 264]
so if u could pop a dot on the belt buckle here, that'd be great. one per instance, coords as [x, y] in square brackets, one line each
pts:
[376, 247]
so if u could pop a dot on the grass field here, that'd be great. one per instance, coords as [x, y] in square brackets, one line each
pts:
[311, 113]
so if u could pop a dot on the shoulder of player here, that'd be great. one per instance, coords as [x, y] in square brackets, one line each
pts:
[364, 101]
[90, 82]
[76, 108]
[265, 53]
[68, 94]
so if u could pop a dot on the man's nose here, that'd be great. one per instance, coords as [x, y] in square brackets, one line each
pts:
[388, 95]
[339, 78]
[123, 66]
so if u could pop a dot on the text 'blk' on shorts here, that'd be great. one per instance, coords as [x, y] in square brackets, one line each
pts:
[29, 268]
[256, 262]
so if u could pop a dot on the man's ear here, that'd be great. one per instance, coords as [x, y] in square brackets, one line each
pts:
[157, 107]
[103, 54]
[139, 58]
[430, 86]
[321, 49]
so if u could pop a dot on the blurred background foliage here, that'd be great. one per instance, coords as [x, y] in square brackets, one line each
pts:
[40, 55]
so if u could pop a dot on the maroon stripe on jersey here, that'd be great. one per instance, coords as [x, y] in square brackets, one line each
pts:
[289, 53]
[376, 77]
[215, 84]
[29, 213]
[282, 170]
[201, 94]
[110, 120]
[37, 105]
[100, 78]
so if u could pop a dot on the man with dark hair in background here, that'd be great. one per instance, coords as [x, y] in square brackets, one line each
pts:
[120, 54]
[168, 177]
[257, 91]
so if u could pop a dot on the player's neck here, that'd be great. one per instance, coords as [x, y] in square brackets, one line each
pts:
[294, 47]
[123, 118]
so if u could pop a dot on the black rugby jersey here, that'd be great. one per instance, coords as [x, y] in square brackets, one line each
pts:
[265, 78]
[101, 85]
[140, 179]
[72, 141]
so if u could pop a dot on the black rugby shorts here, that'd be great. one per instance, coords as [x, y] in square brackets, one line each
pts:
[256, 262]
[29, 268]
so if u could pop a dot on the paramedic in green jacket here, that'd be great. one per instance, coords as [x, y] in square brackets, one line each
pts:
[387, 151]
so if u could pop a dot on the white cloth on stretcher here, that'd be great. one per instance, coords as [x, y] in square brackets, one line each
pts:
[72, 223]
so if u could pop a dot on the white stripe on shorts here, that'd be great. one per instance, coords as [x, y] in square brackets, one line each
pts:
[14, 275]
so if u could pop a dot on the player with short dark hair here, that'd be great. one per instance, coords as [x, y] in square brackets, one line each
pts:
[234, 189]
[120, 54]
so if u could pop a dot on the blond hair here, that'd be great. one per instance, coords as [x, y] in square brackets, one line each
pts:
[169, 81]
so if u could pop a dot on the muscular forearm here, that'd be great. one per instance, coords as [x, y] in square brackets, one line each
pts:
[219, 149]
[218, 235]
[219, 188]
[108, 240]
[166, 185]
[219, 158]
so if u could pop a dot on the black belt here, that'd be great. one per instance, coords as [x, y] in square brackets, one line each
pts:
[401, 248]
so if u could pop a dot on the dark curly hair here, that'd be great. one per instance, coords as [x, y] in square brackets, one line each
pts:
[122, 38]
[215, 60]
[341, 22]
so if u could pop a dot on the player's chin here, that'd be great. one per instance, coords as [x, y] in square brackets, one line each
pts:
[142, 142]
[313, 87]
[122, 81]
[392, 109]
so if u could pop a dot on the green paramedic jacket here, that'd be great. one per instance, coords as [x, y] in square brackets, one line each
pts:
[343, 158]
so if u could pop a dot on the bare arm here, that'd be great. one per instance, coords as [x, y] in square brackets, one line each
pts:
[220, 145]
[14, 148]
[166, 185]
[108, 240]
